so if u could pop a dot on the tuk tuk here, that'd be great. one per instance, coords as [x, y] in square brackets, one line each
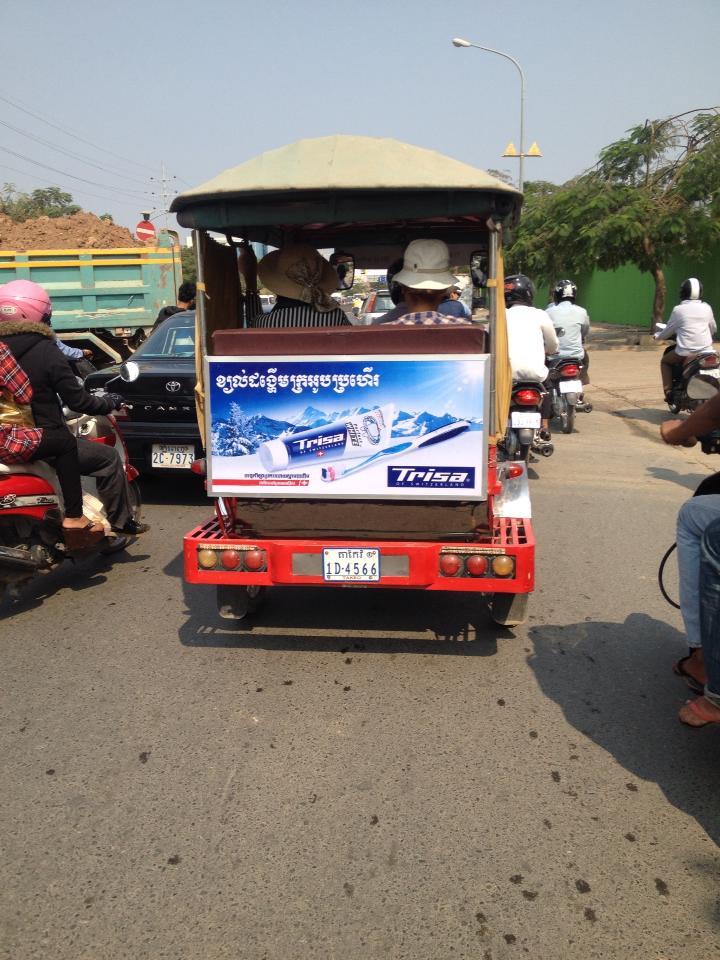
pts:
[355, 456]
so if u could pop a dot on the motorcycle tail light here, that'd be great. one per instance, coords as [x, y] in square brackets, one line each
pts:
[527, 398]
[502, 566]
[570, 370]
[711, 360]
[231, 559]
[450, 564]
[255, 560]
[513, 470]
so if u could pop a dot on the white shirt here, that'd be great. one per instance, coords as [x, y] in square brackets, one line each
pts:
[531, 337]
[573, 319]
[693, 323]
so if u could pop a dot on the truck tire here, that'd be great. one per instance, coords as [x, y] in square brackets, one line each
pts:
[235, 603]
[509, 609]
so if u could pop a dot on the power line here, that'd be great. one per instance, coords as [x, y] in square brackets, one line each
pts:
[68, 153]
[76, 193]
[69, 133]
[134, 194]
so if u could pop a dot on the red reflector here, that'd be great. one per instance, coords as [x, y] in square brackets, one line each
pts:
[476, 565]
[450, 564]
[527, 398]
[570, 370]
[199, 467]
[108, 441]
[231, 559]
[514, 470]
[255, 559]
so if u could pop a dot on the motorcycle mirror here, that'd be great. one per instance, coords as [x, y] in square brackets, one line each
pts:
[344, 266]
[129, 371]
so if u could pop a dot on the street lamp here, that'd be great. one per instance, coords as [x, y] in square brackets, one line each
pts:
[510, 150]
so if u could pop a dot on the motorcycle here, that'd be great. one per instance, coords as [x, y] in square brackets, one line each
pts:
[566, 391]
[522, 432]
[695, 381]
[31, 533]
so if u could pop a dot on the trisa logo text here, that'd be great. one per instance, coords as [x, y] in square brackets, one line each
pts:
[455, 477]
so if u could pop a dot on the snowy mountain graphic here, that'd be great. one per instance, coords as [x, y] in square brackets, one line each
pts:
[240, 435]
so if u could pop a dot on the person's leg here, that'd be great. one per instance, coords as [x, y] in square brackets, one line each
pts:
[103, 463]
[668, 361]
[693, 517]
[706, 709]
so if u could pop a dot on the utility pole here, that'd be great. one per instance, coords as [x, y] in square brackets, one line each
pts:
[164, 196]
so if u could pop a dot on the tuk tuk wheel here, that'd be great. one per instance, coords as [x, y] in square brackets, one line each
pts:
[235, 603]
[509, 609]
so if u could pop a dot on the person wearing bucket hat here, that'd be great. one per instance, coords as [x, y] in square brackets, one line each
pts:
[425, 279]
[302, 280]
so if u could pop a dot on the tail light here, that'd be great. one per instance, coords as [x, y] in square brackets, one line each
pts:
[255, 560]
[231, 559]
[710, 360]
[199, 467]
[527, 398]
[570, 370]
[450, 564]
[476, 565]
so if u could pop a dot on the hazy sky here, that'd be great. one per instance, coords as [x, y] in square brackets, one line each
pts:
[202, 86]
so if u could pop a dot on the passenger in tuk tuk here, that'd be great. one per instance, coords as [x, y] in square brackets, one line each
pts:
[400, 308]
[302, 280]
[424, 280]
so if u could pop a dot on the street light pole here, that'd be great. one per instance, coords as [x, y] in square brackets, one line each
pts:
[459, 42]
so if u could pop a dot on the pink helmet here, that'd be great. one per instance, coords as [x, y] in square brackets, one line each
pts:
[24, 300]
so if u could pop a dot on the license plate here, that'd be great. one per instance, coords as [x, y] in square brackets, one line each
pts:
[177, 456]
[710, 373]
[525, 418]
[351, 565]
[570, 386]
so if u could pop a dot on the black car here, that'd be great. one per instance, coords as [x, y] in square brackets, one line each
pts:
[159, 424]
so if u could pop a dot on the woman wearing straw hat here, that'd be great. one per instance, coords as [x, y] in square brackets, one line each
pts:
[302, 281]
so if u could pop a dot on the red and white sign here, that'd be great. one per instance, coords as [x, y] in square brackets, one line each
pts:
[145, 231]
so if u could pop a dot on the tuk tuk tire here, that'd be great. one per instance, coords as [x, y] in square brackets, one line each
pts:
[236, 602]
[509, 609]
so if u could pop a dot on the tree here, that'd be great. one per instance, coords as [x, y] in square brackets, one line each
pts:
[189, 266]
[46, 202]
[652, 193]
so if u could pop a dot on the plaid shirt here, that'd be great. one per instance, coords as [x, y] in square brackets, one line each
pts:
[17, 443]
[428, 318]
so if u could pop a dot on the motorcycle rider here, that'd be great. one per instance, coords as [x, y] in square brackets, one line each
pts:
[571, 322]
[25, 311]
[531, 337]
[693, 325]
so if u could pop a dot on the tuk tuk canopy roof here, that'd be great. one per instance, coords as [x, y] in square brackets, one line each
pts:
[342, 179]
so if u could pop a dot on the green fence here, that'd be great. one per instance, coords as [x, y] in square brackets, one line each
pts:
[625, 296]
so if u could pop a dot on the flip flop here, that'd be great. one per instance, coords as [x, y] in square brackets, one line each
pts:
[679, 669]
[699, 710]
[78, 539]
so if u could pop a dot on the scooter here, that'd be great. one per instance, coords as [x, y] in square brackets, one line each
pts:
[522, 432]
[31, 533]
[566, 390]
[695, 381]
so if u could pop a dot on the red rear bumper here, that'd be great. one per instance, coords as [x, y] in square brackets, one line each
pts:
[404, 564]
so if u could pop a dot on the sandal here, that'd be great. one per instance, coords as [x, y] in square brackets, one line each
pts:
[699, 710]
[78, 539]
[697, 686]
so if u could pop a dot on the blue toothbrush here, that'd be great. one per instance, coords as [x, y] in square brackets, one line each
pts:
[436, 436]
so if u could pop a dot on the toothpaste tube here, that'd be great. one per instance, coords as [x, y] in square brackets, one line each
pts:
[360, 435]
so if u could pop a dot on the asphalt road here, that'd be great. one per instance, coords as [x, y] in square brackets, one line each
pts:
[369, 774]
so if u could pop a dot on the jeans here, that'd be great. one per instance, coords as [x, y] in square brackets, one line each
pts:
[693, 519]
[710, 608]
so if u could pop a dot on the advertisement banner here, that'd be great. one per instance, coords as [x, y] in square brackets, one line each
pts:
[373, 427]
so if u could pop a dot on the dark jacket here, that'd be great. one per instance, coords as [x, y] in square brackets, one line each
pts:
[49, 372]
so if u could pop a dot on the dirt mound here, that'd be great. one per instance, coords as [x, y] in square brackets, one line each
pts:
[60, 233]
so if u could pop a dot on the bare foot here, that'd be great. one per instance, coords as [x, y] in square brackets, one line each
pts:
[699, 713]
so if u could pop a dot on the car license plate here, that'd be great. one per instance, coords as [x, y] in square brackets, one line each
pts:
[177, 456]
[570, 386]
[351, 565]
[525, 418]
